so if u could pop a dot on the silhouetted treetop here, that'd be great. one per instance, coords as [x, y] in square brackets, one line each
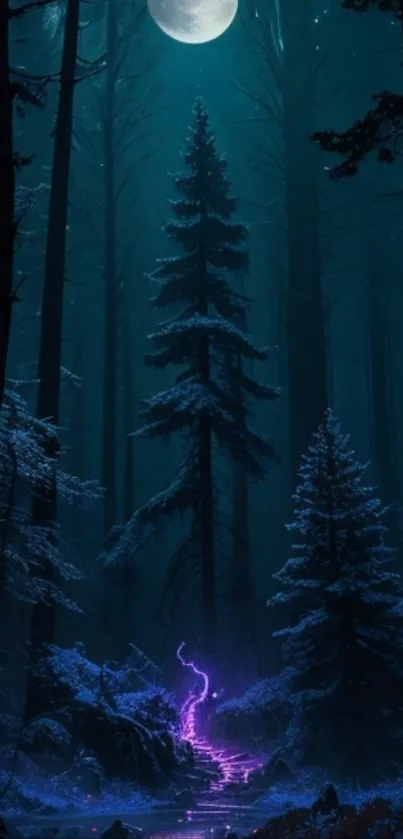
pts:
[381, 131]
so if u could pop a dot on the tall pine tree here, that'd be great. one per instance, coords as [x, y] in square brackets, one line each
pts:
[207, 341]
[341, 600]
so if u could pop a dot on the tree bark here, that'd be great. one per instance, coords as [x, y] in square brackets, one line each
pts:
[7, 182]
[44, 509]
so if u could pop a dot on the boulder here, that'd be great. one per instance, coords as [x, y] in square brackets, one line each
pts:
[277, 770]
[327, 801]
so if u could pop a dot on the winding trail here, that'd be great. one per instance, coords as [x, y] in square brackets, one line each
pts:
[232, 768]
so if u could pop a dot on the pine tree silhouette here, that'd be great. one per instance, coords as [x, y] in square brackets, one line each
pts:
[341, 599]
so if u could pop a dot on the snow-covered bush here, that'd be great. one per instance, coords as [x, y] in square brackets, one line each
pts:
[258, 718]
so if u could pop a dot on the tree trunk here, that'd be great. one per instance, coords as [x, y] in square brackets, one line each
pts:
[7, 182]
[108, 454]
[77, 420]
[243, 595]
[383, 438]
[205, 453]
[129, 601]
[308, 397]
[44, 509]
[206, 516]
[110, 359]
[129, 424]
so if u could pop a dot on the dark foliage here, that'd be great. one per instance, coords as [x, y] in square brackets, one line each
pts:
[29, 465]
[103, 721]
[342, 601]
[256, 719]
[207, 341]
[380, 131]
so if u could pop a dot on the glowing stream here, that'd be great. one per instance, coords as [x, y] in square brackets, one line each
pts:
[232, 768]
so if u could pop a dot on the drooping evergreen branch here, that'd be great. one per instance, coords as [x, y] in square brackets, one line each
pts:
[380, 131]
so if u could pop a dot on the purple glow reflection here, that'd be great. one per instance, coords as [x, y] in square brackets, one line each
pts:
[187, 713]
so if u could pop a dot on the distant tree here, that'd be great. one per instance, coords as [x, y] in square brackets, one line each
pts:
[17, 89]
[342, 602]
[285, 36]
[119, 120]
[381, 129]
[123, 104]
[106, 188]
[203, 340]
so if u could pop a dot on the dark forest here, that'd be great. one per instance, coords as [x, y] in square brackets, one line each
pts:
[201, 457]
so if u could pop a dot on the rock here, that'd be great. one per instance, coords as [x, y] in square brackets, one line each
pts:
[116, 831]
[88, 773]
[46, 735]
[327, 801]
[277, 770]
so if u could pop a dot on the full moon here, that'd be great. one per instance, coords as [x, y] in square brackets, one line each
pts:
[193, 21]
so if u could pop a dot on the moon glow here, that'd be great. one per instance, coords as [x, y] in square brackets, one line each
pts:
[193, 21]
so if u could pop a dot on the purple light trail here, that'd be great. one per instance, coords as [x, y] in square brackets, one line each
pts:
[187, 713]
[233, 768]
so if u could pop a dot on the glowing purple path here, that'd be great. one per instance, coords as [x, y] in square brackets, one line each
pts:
[232, 768]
